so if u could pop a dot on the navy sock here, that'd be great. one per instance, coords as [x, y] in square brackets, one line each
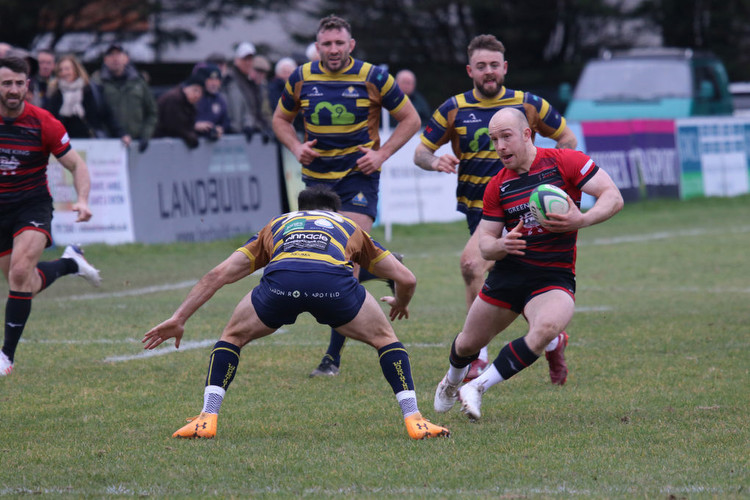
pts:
[513, 358]
[17, 311]
[335, 346]
[394, 361]
[458, 361]
[222, 364]
[51, 270]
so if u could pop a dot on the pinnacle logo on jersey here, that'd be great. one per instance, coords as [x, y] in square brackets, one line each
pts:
[338, 113]
[360, 200]
[350, 92]
[307, 236]
[474, 144]
[294, 226]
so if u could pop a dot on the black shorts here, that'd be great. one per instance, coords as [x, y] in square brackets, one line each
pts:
[33, 215]
[512, 286]
[333, 299]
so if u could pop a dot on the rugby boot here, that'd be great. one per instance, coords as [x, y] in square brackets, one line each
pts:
[421, 428]
[203, 426]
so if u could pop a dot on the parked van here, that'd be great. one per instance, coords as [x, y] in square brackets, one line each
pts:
[651, 83]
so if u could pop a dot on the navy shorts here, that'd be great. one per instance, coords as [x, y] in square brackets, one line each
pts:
[512, 285]
[333, 299]
[358, 192]
[472, 220]
[33, 215]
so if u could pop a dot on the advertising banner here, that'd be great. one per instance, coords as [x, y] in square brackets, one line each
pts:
[216, 191]
[109, 199]
[639, 155]
[714, 156]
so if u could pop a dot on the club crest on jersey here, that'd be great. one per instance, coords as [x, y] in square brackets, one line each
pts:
[8, 163]
[350, 92]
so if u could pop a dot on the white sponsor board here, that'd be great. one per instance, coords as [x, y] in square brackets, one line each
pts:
[109, 200]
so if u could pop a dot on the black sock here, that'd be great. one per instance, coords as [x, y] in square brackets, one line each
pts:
[222, 364]
[17, 311]
[53, 269]
[458, 361]
[513, 358]
[335, 346]
[394, 361]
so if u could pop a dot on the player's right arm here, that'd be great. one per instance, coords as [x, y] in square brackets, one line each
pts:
[282, 124]
[405, 281]
[494, 246]
[234, 268]
[425, 159]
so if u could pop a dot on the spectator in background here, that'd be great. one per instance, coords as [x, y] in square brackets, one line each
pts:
[218, 59]
[407, 80]
[243, 96]
[177, 111]
[312, 53]
[79, 105]
[40, 82]
[128, 94]
[284, 67]
[4, 49]
[212, 117]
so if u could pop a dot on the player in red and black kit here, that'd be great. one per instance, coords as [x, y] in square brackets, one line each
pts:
[534, 273]
[28, 135]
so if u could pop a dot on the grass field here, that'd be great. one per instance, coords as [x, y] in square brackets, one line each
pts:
[655, 406]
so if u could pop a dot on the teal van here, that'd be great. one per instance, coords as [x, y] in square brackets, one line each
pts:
[659, 83]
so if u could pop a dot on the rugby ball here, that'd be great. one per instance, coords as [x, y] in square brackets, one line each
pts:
[547, 199]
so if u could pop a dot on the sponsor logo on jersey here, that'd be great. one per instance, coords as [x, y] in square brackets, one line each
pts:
[472, 118]
[323, 223]
[314, 92]
[294, 226]
[9, 163]
[65, 139]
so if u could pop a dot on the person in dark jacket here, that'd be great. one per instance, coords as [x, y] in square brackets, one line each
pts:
[212, 120]
[78, 103]
[128, 94]
[177, 111]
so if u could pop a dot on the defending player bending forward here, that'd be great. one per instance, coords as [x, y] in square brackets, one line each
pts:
[308, 258]
[534, 272]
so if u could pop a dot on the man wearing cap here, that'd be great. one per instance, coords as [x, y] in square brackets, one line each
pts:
[244, 98]
[212, 118]
[128, 94]
[177, 112]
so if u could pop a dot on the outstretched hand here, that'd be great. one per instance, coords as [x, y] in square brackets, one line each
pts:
[163, 331]
[397, 310]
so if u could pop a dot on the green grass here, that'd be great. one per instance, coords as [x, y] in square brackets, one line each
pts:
[655, 405]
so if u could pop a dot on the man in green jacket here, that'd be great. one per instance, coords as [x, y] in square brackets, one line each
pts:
[128, 94]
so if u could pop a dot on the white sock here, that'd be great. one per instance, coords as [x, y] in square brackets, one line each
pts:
[213, 396]
[489, 377]
[456, 375]
[553, 345]
[407, 400]
[483, 354]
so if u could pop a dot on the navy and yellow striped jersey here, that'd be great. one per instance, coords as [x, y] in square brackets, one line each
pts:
[464, 119]
[313, 240]
[341, 110]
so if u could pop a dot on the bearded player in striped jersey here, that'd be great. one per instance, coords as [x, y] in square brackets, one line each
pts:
[534, 270]
[308, 258]
[28, 135]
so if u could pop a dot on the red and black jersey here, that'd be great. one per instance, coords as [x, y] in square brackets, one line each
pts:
[506, 200]
[25, 145]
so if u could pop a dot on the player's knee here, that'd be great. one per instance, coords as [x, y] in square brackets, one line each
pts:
[20, 277]
[471, 269]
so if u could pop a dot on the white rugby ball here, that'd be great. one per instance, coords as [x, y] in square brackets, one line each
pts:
[547, 199]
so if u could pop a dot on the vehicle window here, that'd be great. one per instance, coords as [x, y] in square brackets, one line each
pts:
[634, 79]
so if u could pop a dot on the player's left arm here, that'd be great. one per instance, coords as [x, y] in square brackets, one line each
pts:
[235, 267]
[81, 182]
[408, 125]
[608, 203]
[405, 281]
